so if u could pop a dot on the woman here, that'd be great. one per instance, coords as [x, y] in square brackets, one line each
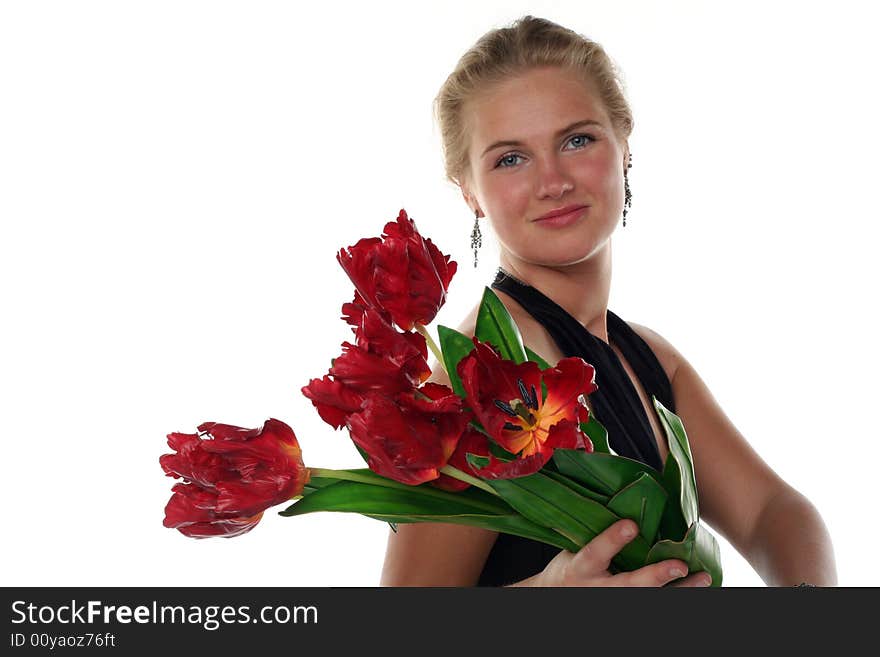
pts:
[535, 131]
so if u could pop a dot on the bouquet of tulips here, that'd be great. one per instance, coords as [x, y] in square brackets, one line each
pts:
[510, 447]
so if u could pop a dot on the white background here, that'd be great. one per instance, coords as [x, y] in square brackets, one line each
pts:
[176, 178]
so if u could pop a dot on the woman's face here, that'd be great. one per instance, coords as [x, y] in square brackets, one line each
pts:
[539, 142]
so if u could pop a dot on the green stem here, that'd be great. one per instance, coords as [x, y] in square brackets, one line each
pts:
[431, 345]
[455, 473]
[348, 475]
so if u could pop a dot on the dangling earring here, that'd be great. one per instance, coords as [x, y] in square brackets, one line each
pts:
[627, 200]
[476, 236]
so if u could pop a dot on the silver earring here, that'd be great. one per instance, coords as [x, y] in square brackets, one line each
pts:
[627, 199]
[476, 236]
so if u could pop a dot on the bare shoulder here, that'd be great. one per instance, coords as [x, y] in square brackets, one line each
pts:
[669, 356]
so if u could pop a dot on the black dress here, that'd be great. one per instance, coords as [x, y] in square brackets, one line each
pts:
[616, 405]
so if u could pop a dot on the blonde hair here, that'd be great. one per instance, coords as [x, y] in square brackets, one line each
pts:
[501, 53]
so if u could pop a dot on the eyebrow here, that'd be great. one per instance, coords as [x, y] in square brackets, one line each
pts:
[559, 133]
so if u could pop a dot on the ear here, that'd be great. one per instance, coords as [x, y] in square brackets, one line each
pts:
[469, 198]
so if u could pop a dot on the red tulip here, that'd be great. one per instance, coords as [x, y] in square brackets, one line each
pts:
[333, 400]
[231, 477]
[400, 273]
[506, 398]
[353, 312]
[405, 350]
[408, 438]
[471, 442]
[384, 360]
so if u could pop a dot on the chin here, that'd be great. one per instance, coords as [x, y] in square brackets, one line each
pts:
[571, 254]
[555, 261]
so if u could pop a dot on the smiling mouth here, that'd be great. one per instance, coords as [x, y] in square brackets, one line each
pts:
[563, 218]
[566, 209]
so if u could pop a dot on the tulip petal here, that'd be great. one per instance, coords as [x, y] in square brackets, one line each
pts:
[409, 438]
[333, 400]
[231, 474]
[570, 378]
[564, 435]
[471, 442]
[364, 372]
[406, 351]
[520, 467]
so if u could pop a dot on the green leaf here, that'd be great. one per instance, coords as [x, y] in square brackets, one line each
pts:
[672, 524]
[316, 483]
[697, 544]
[580, 519]
[499, 452]
[424, 504]
[679, 477]
[606, 473]
[699, 550]
[598, 435]
[575, 486]
[642, 501]
[454, 346]
[477, 461]
[496, 326]
[322, 478]
[372, 499]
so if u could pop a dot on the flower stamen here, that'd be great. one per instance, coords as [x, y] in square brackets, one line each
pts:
[531, 400]
[523, 411]
[505, 407]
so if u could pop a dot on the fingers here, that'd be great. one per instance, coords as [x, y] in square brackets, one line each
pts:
[595, 557]
[656, 574]
[701, 578]
[589, 566]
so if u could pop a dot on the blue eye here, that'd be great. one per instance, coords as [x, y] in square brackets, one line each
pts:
[507, 158]
[585, 140]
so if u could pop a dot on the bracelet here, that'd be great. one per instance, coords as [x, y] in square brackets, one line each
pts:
[803, 584]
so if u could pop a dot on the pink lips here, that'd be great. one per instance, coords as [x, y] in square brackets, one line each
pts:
[563, 216]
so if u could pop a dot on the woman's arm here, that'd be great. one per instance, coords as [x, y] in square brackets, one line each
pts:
[774, 527]
[790, 543]
[436, 554]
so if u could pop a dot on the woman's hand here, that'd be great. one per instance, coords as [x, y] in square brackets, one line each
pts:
[589, 566]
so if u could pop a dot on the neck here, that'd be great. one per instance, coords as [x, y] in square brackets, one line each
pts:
[582, 289]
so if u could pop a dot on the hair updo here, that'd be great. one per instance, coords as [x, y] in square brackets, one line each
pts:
[505, 52]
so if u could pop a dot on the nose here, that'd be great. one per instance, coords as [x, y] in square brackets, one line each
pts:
[553, 180]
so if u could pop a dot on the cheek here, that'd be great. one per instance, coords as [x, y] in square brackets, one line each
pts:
[507, 195]
[603, 183]
[599, 175]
